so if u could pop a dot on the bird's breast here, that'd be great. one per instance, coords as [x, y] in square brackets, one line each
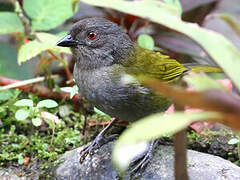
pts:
[117, 94]
[101, 86]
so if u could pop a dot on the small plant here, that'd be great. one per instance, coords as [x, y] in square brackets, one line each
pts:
[28, 110]
[235, 141]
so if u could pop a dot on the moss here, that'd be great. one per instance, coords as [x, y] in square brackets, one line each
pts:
[214, 142]
[43, 144]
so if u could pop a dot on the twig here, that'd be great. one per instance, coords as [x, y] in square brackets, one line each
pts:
[42, 91]
[104, 123]
[23, 18]
[68, 73]
[85, 120]
[25, 82]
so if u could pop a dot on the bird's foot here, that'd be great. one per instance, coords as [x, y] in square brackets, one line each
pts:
[98, 142]
[139, 164]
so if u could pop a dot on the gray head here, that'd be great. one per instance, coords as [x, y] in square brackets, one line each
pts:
[97, 42]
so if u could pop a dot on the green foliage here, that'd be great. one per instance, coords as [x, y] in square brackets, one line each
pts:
[201, 82]
[37, 121]
[48, 103]
[145, 41]
[72, 90]
[48, 14]
[22, 114]
[33, 48]
[33, 112]
[10, 23]
[20, 159]
[24, 102]
[44, 16]
[175, 3]
[14, 147]
[20, 139]
[7, 100]
[101, 115]
[163, 124]
[233, 141]
[5, 95]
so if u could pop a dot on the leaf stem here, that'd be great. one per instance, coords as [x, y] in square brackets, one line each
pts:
[180, 164]
[67, 71]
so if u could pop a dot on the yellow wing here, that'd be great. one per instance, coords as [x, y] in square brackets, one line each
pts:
[154, 65]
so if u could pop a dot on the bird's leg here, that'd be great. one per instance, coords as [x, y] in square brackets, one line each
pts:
[140, 162]
[98, 142]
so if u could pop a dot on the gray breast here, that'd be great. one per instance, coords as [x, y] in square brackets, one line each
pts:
[105, 90]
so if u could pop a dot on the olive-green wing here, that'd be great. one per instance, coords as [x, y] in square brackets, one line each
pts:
[154, 65]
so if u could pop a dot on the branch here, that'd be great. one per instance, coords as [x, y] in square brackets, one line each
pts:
[24, 83]
[23, 18]
[40, 90]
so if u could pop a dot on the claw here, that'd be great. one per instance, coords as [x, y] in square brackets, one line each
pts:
[97, 143]
[142, 164]
[144, 159]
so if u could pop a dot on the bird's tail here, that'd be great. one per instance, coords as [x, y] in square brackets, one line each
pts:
[203, 68]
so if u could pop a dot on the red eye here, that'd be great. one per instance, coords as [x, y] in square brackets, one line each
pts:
[92, 35]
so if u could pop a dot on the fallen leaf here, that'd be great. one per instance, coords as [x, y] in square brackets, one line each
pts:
[51, 117]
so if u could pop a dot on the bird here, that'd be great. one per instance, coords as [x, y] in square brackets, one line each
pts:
[105, 59]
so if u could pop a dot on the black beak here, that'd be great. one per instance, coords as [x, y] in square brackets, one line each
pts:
[67, 41]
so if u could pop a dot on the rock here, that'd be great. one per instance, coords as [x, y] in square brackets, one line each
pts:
[201, 166]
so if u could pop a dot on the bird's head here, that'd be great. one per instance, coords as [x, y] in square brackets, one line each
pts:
[97, 42]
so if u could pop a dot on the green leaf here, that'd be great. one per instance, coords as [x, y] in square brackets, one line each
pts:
[20, 159]
[175, 3]
[48, 14]
[66, 89]
[72, 90]
[35, 47]
[52, 39]
[217, 46]
[10, 23]
[48, 103]
[50, 123]
[201, 82]
[233, 141]
[24, 102]
[145, 41]
[30, 50]
[37, 121]
[96, 110]
[5, 95]
[21, 114]
[153, 127]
